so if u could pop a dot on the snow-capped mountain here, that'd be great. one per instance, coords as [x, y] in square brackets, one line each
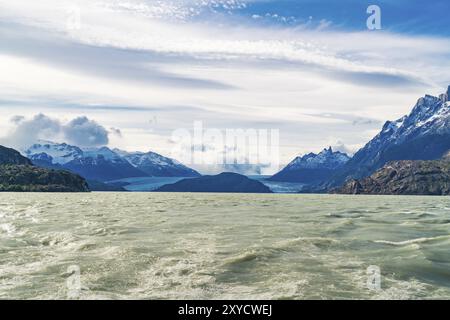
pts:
[312, 168]
[104, 164]
[100, 164]
[325, 159]
[424, 134]
[156, 165]
[56, 153]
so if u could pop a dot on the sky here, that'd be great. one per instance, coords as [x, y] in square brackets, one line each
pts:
[130, 73]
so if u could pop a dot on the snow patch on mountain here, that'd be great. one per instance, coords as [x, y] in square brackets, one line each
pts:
[103, 152]
[57, 153]
[140, 159]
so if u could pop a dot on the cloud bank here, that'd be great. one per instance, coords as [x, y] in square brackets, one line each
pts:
[80, 131]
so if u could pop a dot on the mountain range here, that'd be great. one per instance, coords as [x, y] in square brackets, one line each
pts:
[401, 153]
[424, 134]
[103, 164]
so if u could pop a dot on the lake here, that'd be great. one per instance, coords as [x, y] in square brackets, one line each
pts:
[223, 246]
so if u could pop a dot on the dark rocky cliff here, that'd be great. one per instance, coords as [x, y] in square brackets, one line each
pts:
[404, 178]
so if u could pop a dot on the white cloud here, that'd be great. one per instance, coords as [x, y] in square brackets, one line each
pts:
[84, 132]
[80, 131]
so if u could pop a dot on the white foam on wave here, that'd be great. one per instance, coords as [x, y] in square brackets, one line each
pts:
[174, 262]
[188, 276]
[413, 241]
[402, 290]
[62, 239]
[7, 228]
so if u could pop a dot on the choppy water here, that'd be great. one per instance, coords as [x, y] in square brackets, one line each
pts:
[209, 246]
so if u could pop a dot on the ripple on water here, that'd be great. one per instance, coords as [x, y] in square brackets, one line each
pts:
[167, 246]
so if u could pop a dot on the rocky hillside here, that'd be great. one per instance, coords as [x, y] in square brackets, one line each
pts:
[404, 178]
[11, 156]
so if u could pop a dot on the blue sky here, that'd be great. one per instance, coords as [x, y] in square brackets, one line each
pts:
[310, 69]
[403, 16]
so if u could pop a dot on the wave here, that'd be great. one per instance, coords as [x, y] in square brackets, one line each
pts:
[413, 241]
[7, 228]
[267, 252]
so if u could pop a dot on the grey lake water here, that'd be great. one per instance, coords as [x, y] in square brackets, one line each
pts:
[223, 246]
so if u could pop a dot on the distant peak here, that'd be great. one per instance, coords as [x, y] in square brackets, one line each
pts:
[327, 158]
[444, 97]
[328, 150]
[424, 102]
